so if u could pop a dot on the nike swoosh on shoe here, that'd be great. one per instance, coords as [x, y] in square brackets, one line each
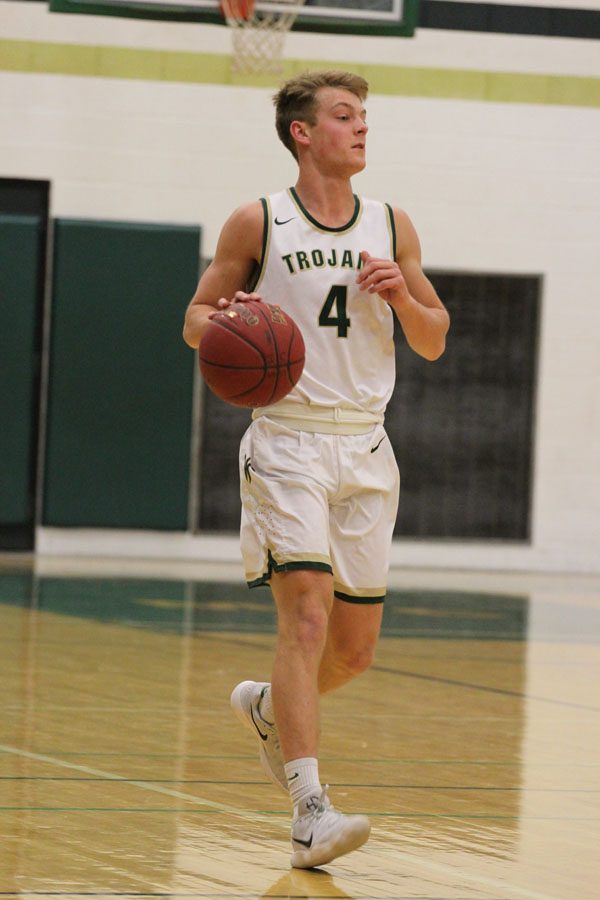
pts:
[307, 844]
[264, 737]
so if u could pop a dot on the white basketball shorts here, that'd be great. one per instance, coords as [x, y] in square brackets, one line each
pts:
[319, 501]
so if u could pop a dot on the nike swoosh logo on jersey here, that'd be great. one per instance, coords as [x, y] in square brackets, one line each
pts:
[373, 449]
[264, 737]
[284, 222]
[307, 844]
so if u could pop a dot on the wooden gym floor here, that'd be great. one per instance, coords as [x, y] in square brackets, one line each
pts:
[473, 743]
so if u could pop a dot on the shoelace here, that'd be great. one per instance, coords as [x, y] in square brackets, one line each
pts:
[324, 802]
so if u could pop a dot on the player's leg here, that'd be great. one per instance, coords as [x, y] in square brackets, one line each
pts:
[304, 599]
[352, 636]
[320, 833]
[286, 481]
[284, 537]
[361, 520]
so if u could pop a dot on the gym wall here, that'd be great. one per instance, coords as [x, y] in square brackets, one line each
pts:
[489, 141]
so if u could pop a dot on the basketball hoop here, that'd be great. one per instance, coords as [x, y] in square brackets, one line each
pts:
[258, 33]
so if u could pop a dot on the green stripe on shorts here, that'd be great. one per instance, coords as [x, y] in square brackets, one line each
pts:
[298, 565]
[349, 598]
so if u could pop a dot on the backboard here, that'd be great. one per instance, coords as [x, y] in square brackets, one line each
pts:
[374, 17]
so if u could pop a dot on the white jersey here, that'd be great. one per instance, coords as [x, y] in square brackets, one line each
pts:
[310, 271]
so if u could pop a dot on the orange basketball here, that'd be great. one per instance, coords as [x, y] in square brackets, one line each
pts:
[251, 354]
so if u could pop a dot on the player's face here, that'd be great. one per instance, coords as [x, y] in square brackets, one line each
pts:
[339, 136]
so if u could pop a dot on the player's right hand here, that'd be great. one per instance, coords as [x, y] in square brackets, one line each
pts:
[238, 297]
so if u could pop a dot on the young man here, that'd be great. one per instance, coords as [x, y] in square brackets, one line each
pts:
[319, 481]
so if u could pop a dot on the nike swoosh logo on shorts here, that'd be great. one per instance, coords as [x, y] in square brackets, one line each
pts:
[373, 449]
[284, 222]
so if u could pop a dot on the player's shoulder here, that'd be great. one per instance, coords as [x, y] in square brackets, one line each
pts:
[405, 230]
[407, 240]
[244, 227]
[247, 215]
[399, 215]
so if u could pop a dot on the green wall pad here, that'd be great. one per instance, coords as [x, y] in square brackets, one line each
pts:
[20, 253]
[121, 378]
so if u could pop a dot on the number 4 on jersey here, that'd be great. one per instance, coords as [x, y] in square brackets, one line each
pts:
[337, 297]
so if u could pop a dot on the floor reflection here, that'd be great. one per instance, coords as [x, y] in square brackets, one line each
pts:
[298, 883]
[472, 744]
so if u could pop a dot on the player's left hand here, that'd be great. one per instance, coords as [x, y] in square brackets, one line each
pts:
[383, 277]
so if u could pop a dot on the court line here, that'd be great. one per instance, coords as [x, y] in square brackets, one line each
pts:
[440, 680]
[493, 883]
[144, 785]
[483, 687]
[448, 871]
[394, 761]
[269, 816]
[212, 895]
[337, 784]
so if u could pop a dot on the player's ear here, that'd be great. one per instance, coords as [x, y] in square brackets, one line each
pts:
[300, 132]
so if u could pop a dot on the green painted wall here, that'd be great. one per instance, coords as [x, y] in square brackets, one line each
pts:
[121, 378]
[20, 251]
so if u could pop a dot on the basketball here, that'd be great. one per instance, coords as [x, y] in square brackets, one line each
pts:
[251, 354]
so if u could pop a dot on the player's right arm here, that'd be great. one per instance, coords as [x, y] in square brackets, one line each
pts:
[238, 253]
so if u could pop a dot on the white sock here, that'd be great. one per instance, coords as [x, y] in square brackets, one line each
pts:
[303, 780]
[265, 707]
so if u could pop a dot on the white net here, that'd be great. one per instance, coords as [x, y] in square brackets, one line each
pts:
[258, 33]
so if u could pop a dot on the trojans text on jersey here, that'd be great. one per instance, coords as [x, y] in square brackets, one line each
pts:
[316, 259]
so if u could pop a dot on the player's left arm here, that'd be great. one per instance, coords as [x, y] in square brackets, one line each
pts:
[403, 284]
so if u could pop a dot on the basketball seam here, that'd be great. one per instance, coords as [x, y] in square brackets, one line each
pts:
[289, 353]
[238, 335]
[276, 346]
[248, 391]
[217, 365]
[281, 366]
[291, 362]
[224, 324]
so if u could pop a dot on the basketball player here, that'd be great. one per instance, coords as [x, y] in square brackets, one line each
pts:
[319, 481]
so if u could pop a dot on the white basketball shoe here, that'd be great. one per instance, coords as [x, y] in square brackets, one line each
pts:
[320, 833]
[245, 702]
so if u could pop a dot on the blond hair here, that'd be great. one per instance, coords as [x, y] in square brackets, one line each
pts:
[297, 99]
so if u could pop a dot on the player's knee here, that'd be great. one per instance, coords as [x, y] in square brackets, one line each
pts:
[305, 625]
[310, 626]
[303, 607]
[356, 659]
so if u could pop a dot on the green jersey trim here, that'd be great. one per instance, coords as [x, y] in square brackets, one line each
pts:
[260, 270]
[342, 229]
[392, 227]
